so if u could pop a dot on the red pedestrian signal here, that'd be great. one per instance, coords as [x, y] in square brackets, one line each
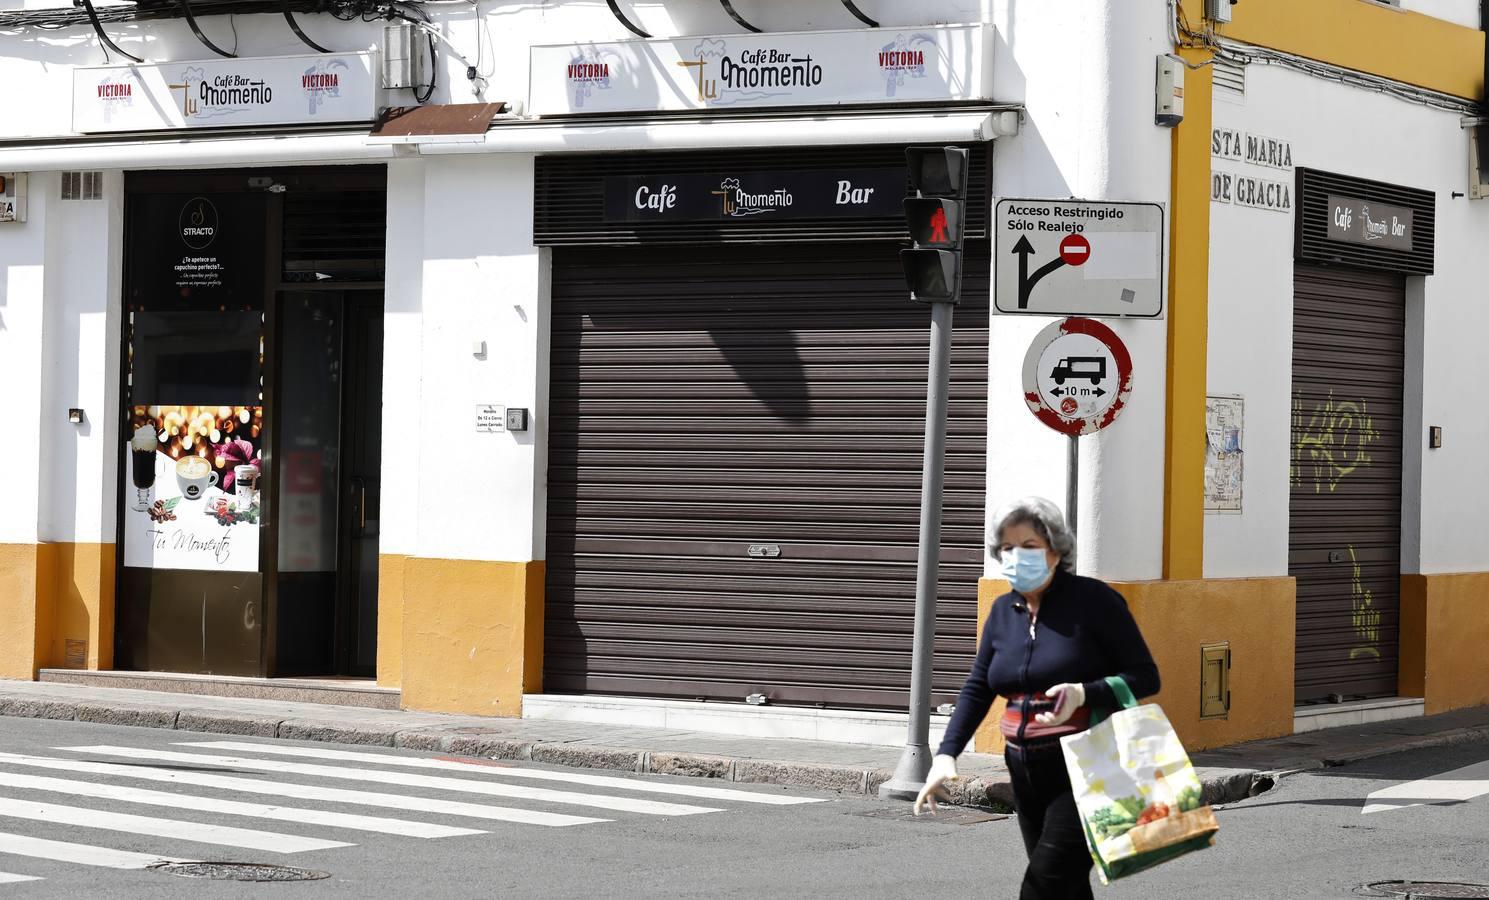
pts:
[934, 216]
[933, 222]
[938, 227]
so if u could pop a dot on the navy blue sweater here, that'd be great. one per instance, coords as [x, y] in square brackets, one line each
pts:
[1083, 634]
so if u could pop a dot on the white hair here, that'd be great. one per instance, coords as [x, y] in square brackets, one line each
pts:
[1045, 518]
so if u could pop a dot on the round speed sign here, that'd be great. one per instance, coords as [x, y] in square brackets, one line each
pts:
[1077, 376]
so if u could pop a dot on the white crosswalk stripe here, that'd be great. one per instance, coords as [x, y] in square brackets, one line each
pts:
[401, 827]
[602, 801]
[483, 767]
[80, 854]
[222, 835]
[305, 791]
[214, 771]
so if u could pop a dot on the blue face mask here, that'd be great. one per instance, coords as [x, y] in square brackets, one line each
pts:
[1026, 568]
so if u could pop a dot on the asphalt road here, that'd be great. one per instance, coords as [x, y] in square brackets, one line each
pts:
[388, 823]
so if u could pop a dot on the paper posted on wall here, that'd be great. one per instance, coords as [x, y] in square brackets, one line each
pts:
[1224, 470]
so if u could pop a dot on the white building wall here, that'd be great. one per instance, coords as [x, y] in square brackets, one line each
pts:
[403, 359]
[23, 290]
[1084, 72]
[79, 468]
[1460, 12]
[1370, 135]
[481, 284]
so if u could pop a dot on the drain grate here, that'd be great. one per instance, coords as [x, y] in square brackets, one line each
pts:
[1431, 890]
[237, 871]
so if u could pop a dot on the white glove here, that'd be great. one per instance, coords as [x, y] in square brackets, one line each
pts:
[943, 769]
[1068, 698]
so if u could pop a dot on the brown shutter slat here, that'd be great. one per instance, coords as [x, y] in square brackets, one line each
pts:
[1345, 532]
[704, 399]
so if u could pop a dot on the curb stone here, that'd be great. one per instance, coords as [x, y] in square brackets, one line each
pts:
[227, 723]
[589, 757]
[38, 709]
[326, 733]
[140, 716]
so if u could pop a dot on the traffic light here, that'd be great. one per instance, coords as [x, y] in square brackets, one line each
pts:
[935, 216]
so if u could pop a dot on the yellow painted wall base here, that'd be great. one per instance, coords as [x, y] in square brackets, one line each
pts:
[470, 644]
[84, 605]
[1257, 616]
[27, 608]
[390, 568]
[988, 739]
[55, 597]
[1444, 629]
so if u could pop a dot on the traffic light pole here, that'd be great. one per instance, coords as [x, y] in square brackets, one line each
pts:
[936, 218]
[915, 762]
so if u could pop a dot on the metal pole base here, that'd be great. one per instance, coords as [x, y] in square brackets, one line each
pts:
[909, 774]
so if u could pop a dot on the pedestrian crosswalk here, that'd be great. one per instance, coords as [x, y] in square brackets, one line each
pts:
[86, 805]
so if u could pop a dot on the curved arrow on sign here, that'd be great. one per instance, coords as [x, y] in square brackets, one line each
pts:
[1024, 249]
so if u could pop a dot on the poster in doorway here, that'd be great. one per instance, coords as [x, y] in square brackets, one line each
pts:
[192, 500]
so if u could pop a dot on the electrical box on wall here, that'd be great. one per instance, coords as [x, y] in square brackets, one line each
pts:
[401, 59]
[1478, 161]
[12, 196]
[1218, 10]
[1169, 100]
[1214, 681]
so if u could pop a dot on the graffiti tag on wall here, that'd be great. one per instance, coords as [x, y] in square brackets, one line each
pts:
[1331, 442]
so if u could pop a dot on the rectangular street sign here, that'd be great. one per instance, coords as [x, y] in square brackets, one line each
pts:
[1079, 258]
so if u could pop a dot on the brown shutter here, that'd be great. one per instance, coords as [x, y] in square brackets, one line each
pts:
[1345, 536]
[707, 400]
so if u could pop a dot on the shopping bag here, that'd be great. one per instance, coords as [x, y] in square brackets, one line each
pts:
[1137, 794]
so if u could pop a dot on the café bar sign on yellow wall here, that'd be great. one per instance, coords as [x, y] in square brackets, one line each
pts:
[12, 197]
[219, 93]
[924, 64]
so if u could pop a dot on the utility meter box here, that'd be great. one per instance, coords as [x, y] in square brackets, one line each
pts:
[1218, 10]
[1169, 100]
[402, 66]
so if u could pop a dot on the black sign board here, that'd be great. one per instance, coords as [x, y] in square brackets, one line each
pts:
[1369, 222]
[755, 196]
[196, 251]
[1347, 221]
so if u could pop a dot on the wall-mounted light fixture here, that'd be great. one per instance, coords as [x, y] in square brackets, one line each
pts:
[75, 416]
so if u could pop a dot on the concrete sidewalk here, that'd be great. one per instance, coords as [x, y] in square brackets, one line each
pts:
[1229, 774]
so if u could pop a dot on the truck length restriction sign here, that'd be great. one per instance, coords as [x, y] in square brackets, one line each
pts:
[1077, 376]
[1079, 258]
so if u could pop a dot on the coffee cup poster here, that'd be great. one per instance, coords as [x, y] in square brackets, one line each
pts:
[192, 501]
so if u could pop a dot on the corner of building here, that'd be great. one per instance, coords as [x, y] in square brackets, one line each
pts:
[1444, 629]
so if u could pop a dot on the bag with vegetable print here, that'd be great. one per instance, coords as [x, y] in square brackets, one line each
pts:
[1137, 794]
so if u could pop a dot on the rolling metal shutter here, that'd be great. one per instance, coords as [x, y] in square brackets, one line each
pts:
[1345, 535]
[710, 403]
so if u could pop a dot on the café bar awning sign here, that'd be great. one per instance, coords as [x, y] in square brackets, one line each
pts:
[734, 71]
[221, 93]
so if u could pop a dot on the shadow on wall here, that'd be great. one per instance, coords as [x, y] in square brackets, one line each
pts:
[768, 363]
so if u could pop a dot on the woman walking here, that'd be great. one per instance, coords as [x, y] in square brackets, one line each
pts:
[1048, 647]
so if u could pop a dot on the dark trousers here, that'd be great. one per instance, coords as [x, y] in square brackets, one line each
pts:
[1059, 863]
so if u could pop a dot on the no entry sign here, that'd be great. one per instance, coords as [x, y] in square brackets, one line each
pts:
[1075, 250]
[1077, 376]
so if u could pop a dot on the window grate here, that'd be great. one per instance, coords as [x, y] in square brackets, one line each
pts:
[1230, 76]
[82, 185]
